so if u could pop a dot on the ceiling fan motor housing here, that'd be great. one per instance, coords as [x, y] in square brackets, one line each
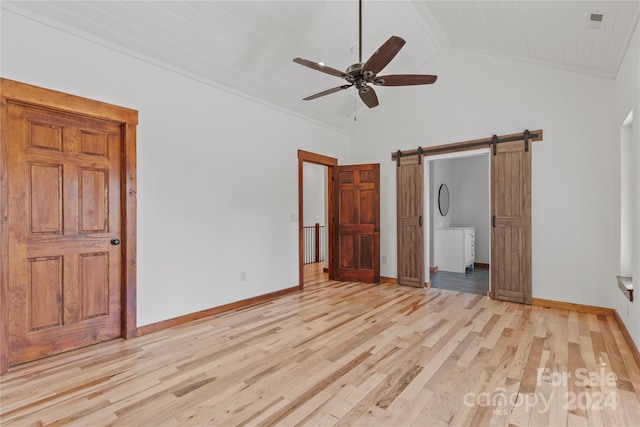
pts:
[354, 71]
[360, 78]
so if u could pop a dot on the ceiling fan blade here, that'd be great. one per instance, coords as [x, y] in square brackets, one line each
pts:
[368, 96]
[404, 80]
[320, 67]
[384, 55]
[327, 92]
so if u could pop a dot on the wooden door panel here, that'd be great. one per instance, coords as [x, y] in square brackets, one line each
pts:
[45, 135]
[64, 275]
[367, 216]
[367, 255]
[45, 285]
[345, 176]
[409, 193]
[45, 207]
[347, 207]
[347, 251]
[94, 284]
[357, 237]
[94, 144]
[93, 200]
[511, 232]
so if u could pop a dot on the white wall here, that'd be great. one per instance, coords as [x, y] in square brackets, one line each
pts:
[574, 167]
[470, 199]
[217, 173]
[627, 91]
[440, 172]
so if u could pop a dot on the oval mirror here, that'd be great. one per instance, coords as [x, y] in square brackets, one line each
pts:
[443, 199]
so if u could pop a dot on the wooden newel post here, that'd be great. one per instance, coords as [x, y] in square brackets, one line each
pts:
[317, 248]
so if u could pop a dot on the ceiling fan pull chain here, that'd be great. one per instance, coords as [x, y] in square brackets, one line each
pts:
[355, 108]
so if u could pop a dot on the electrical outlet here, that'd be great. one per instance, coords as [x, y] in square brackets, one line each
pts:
[243, 276]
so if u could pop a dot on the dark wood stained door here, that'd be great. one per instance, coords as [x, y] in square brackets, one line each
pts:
[64, 279]
[410, 193]
[511, 228]
[357, 222]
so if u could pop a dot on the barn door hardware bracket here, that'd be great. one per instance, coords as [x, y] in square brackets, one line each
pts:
[527, 135]
[398, 155]
[419, 155]
[494, 143]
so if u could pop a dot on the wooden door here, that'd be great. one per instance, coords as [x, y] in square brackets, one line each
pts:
[357, 222]
[409, 194]
[511, 222]
[64, 208]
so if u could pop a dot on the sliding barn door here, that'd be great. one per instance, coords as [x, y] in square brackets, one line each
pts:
[410, 183]
[357, 222]
[511, 222]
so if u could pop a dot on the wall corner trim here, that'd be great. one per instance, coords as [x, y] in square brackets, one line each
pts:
[627, 337]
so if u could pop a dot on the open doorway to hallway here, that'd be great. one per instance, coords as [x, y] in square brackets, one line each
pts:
[318, 196]
[316, 218]
[459, 232]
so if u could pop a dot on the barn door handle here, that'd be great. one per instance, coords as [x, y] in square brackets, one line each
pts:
[420, 220]
[493, 221]
[115, 242]
[376, 229]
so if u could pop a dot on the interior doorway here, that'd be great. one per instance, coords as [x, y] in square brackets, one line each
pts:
[315, 185]
[315, 216]
[459, 234]
[353, 213]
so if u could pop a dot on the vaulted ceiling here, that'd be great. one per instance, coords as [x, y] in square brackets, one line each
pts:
[247, 47]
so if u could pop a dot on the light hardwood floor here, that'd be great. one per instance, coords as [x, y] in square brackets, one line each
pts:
[343, 353]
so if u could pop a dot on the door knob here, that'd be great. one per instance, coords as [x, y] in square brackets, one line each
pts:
[376, 228]
[115, 242]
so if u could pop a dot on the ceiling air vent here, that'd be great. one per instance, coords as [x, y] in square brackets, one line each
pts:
[596, 21]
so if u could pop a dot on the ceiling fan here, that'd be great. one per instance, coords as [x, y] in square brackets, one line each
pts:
[362, 74]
